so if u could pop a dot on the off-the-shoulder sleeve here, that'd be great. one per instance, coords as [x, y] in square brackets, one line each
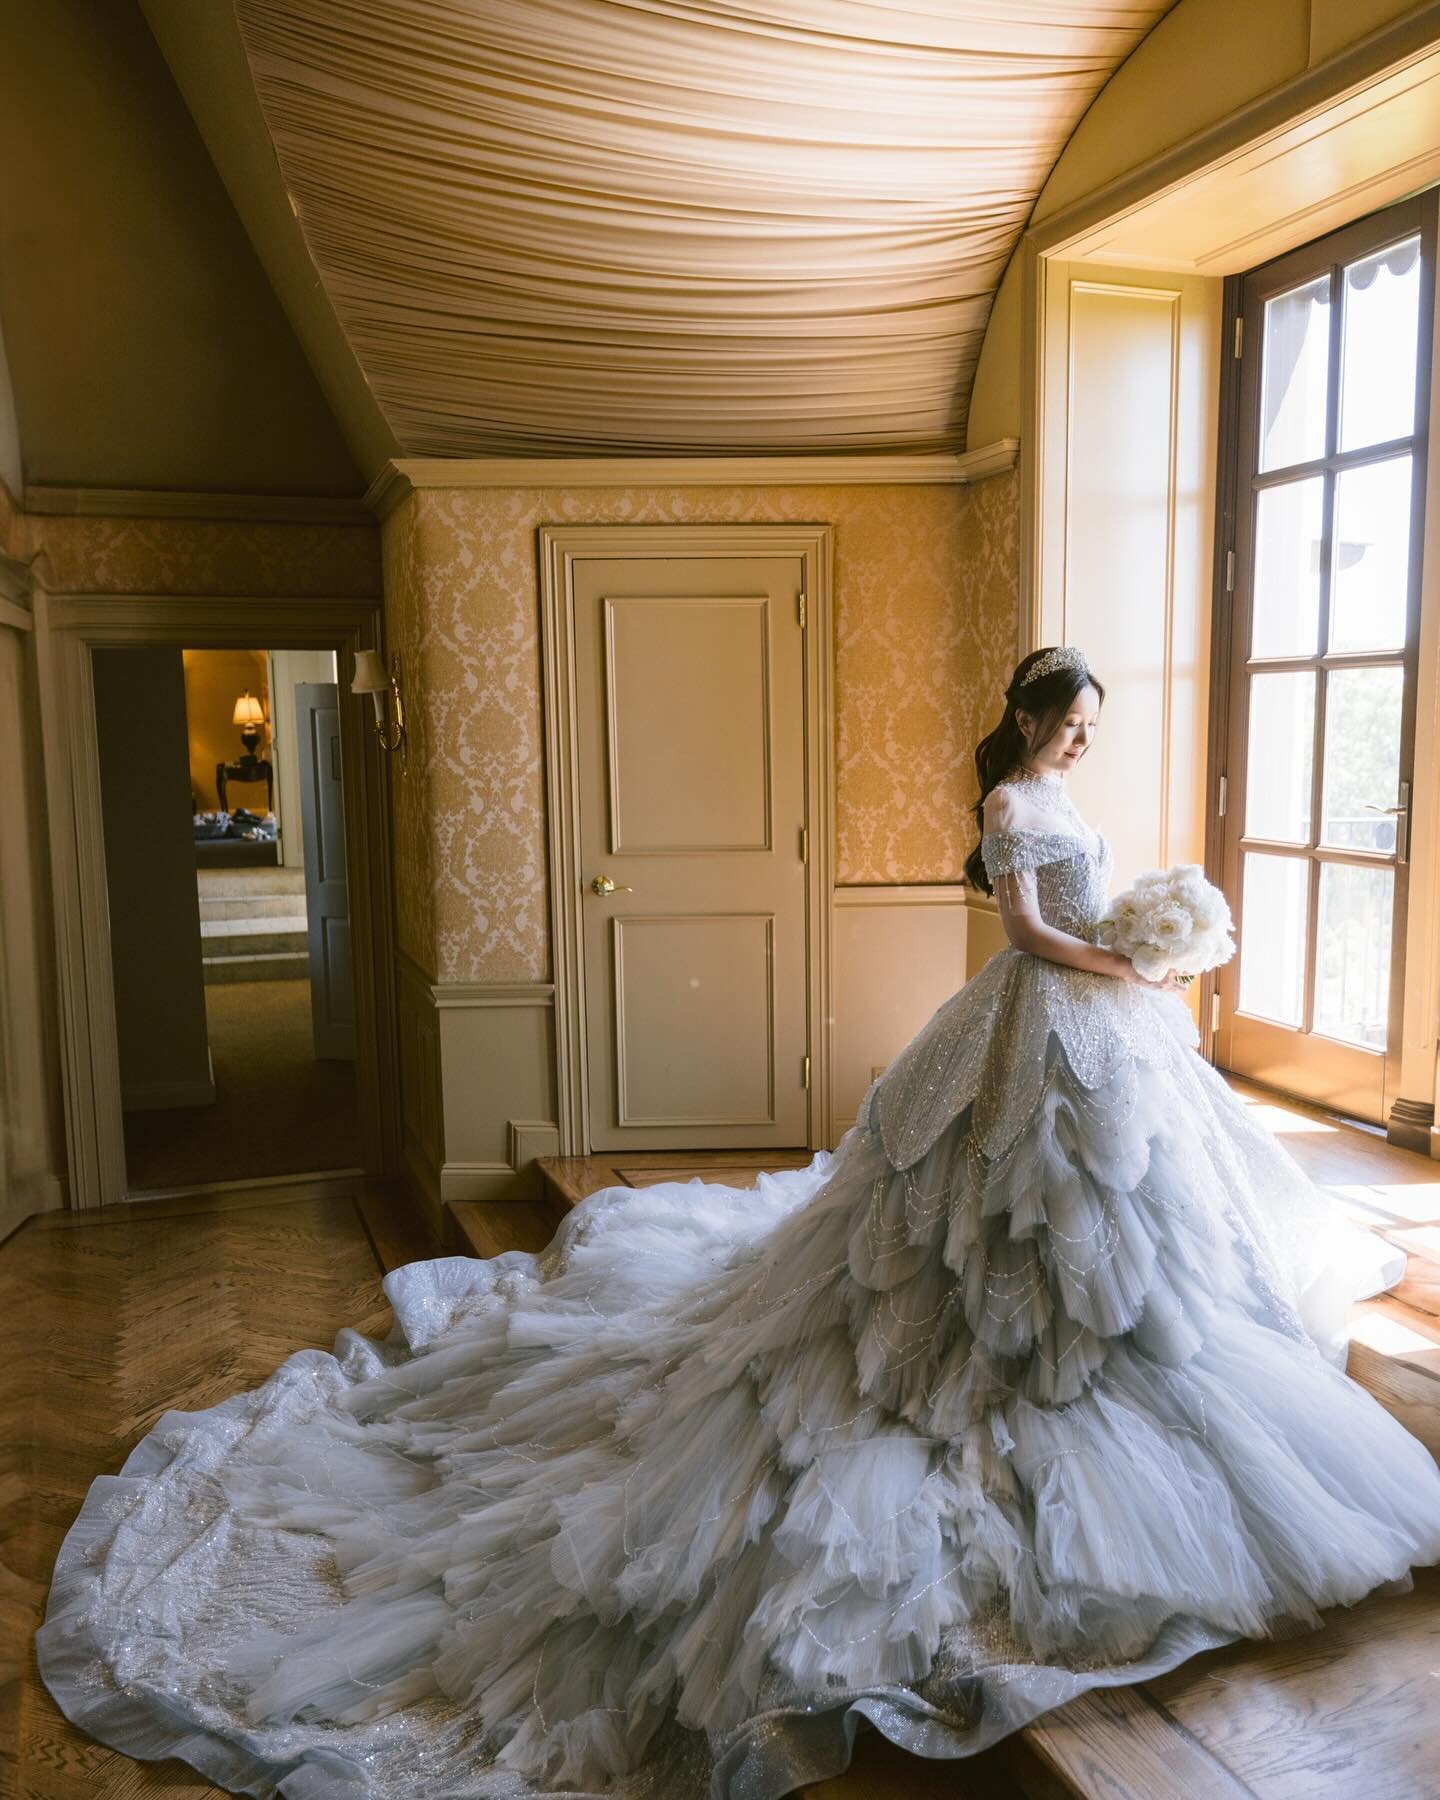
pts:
[1005, 852]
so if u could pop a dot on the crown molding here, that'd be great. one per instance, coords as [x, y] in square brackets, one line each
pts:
[407, 473]
[158, 503]
[1305, 96]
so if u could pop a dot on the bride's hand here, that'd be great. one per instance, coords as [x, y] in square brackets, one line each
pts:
[1168, 984]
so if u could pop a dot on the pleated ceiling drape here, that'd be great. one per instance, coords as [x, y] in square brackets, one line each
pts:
[644, 226]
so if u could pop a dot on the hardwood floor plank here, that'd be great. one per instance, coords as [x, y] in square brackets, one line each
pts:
[176, 1309]
[398, 1230]
[1123, 1744]
[1348, 1711]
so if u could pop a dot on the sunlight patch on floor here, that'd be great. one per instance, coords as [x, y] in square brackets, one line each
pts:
[1390, 1336]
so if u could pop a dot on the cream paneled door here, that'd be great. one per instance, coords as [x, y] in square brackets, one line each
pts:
[690, 717]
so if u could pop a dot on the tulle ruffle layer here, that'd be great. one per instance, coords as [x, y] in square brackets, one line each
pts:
[667, 1509]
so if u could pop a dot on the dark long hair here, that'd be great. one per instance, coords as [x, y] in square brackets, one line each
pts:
[1047, 700]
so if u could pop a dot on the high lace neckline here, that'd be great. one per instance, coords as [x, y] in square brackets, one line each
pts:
[1050, 777]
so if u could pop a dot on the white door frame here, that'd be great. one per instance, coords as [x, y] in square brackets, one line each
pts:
[73, 626]
[560, 547]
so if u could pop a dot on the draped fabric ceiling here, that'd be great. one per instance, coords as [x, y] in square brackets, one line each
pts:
[694, 226]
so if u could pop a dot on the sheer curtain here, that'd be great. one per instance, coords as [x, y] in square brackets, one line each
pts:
[594, 226]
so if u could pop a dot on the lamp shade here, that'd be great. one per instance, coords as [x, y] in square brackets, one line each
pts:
[248, 710]
[370, 677]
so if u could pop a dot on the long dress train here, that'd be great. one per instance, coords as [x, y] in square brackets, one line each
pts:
[1034, 1384]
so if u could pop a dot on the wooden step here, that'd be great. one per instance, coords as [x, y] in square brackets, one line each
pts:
[567, 1180]
[488, 1228]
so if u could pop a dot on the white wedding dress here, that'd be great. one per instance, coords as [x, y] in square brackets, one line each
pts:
[1034, 1384]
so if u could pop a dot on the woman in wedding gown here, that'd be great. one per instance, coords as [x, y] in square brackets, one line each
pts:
[1034, 1384]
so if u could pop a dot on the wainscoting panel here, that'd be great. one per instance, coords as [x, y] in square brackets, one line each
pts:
[899, 952]
[984, 934]
[422, 1128]
[478, 1086]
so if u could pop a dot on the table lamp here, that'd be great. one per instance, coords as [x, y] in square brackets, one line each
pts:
[249, 715]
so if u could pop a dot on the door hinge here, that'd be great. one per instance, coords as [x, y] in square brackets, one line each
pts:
[805, 1073]
[1240, 336]
[1224, 794]
[801, 609]
[1229, 571]
[804, 844]
[1215, 1012]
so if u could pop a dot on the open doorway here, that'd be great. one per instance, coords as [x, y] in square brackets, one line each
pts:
[221, 789]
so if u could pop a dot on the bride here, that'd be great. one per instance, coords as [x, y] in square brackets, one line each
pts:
[1034, 1384]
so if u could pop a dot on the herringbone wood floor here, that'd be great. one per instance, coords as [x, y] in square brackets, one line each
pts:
[107, 1322]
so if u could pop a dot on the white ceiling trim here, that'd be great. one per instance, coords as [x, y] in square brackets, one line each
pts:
[398, 478]
[593, 227]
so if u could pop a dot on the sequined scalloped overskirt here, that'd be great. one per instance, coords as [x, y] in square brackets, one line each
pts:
[938, 1432]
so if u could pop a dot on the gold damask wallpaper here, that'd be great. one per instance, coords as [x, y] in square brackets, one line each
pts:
[926, 629]
[204, 556]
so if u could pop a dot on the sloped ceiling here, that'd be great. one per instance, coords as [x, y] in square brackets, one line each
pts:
[145, 343]
[693, 226]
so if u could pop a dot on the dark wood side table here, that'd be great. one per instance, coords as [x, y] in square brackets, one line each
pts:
[259, 770]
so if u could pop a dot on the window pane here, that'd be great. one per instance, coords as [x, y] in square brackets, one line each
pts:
[1372, 556]
[1287, 568]
[1362, 756]
[1352, 954]
[1377, 352]
[1272, 936]
[1296, 353]
[1281, 753]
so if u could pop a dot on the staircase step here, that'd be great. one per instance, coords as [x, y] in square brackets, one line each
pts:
[278, 966]
[250, 906]
[489, 1228]
[279, 936]
[567, 1180]
[238, 884]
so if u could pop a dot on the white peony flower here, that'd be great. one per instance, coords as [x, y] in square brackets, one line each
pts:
[1169, 919]
[1171, 925]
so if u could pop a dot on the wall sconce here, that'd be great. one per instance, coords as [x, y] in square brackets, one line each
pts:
[370, 678]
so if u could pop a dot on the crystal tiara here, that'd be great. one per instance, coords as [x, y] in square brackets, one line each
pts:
[1065, 657]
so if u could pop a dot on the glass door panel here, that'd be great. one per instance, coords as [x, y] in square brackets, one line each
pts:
[1362, 757]
[1282, 746]
[1296, 357]
[1370, 556]
[1353, 971]
[1323, 642]
[1377, 367]
[1289, 531]
[1276, 894]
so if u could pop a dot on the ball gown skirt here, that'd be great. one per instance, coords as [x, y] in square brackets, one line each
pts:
[1035, 1384]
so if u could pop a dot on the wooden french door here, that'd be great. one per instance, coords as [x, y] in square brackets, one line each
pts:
[1334, 355]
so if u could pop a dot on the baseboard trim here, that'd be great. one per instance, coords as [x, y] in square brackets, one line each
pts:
[1411, 1125]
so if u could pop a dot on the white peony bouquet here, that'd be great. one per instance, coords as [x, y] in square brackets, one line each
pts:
[1170, 919]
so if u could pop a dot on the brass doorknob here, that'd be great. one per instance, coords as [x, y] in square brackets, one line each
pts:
[603, 885]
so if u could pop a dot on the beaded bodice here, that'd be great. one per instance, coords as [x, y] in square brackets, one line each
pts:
[992, 1045]
[1071, 863]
